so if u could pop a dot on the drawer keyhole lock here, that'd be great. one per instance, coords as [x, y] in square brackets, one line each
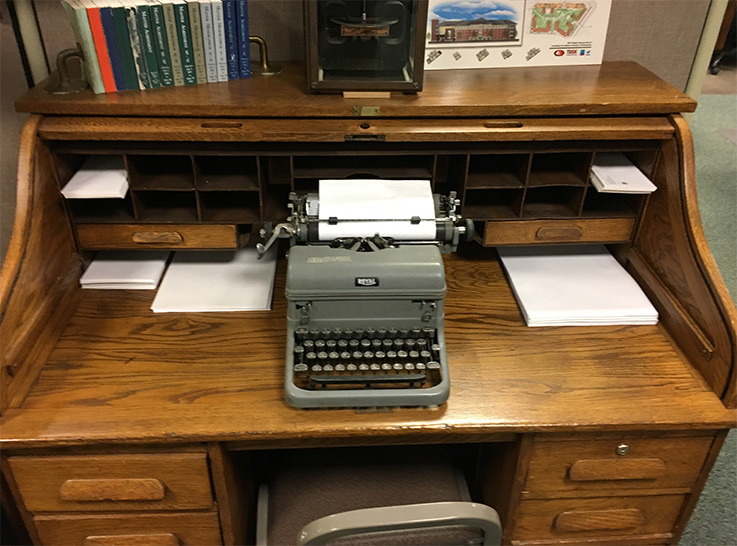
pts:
[622, 449]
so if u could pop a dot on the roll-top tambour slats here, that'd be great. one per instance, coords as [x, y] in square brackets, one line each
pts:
[128, 489]
[329, 130]
[617, 469]
[157, 539]
[594, 520]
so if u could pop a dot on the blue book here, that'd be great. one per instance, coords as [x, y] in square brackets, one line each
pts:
[231, 39]
[244, 45]
[108, 28]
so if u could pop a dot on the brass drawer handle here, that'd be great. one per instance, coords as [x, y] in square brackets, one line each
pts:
[599, 520]
[131, 489]
[559, 234]
[152, 237]
[159, 539]
[616, 469]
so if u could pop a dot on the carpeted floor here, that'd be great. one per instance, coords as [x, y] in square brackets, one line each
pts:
[714, 126]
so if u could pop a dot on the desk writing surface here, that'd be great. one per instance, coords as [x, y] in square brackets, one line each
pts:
[119, 373]
[612, 88]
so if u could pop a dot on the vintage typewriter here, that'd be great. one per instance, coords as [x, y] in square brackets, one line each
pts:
[365, 310]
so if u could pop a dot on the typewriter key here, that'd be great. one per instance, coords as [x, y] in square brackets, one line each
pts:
[381, 355]
[327, 368]
[358, 333]
[314, 333]
[398, 343]
[409, 344]
[363, 367]
[351, 367]
[322, 355]
[381, 333]
[342, 343]
[347, 333]
[333, 355]
[392, 332]
[416, 332]
[299, 368]
[370, 332]
[386, 366]
[365, 343]
[375, 367]
[387, 343]
[432, 365]
[299, 353]
[409, 366]
[340, 367]
[345, 355]
[301, 333]
[319, 344]
[425, 355]
[316, 368]
[401, 354]
[391, 355]
[368, 355]
[414, 354]
[420, 366]
[310, 356]
[308, 344]
[357, 355]
[376, 344]
[398, 367]
[422, 342]
[330, 343]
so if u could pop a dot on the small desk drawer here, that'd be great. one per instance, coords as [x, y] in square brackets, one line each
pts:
[182, 528]
[569, 468]
[142, 236]
[158, 481]
[537, 232]
[597, 517]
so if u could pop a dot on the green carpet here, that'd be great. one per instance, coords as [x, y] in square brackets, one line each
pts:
[714, 127]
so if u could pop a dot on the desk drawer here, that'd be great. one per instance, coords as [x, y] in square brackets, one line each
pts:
[536, 232]
[566, 519]
[160, 481]
[570, 468]
[197, 529]
[143, 236]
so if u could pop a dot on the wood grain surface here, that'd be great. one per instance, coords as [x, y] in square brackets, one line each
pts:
[121, 373]
[146, 481]
[594, 466]
[188, 528]
[611, 88]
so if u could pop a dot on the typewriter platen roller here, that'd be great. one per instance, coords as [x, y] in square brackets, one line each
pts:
[365, 312]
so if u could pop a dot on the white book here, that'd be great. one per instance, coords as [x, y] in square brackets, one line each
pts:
[100, 177]
[218, 27]
[574, 285]
[614, 173]
[128, 270]
[217, 281]
[208, 38]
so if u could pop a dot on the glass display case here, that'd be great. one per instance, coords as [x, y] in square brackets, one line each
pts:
[365, 45]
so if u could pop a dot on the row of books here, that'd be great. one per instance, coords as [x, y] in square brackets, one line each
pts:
[147, 44]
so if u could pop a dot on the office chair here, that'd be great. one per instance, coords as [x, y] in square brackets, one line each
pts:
[410, 495]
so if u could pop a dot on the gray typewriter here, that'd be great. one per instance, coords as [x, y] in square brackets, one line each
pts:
[365, 310]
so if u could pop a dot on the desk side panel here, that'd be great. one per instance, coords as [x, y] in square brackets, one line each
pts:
[671, 260]
[39, 280]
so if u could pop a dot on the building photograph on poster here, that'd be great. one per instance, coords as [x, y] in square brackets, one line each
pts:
[490, 33]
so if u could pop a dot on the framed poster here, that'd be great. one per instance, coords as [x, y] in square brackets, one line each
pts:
[493, 34]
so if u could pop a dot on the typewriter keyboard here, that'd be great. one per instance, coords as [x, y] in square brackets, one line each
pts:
[370, 358]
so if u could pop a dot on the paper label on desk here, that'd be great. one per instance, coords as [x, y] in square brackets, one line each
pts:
[217, 281]
[382, 201]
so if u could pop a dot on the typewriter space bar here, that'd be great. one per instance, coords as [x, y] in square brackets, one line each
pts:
[414, 380]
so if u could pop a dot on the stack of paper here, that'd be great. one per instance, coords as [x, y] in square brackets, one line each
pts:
[385, 206]
[125, 270]
[217, 281]
[100, 177]
[574, 286]
[614, 173]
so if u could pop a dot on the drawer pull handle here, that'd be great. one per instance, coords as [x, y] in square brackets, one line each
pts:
[132, 489]
[587, 470]
[152, 237]
[599, 520]
[221, 125]
[559, 234]
[161, 539]
[503, 124]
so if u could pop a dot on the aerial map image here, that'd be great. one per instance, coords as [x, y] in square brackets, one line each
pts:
[557, 17]
[474, 22]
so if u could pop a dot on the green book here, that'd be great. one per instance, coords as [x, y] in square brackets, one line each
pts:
[134, 34]
[185, 42]
[147, 43]
[77, 14]
[122, 38]
[198, 44]
[171, 35]
[161, 43]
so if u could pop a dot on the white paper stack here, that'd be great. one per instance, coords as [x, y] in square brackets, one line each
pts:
[125, 270]
[614, 173]
[574, 286]
[392, 202]
[100, 177]
[217, 281]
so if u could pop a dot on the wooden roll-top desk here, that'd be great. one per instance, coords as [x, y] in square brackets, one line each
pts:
[118, 422]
